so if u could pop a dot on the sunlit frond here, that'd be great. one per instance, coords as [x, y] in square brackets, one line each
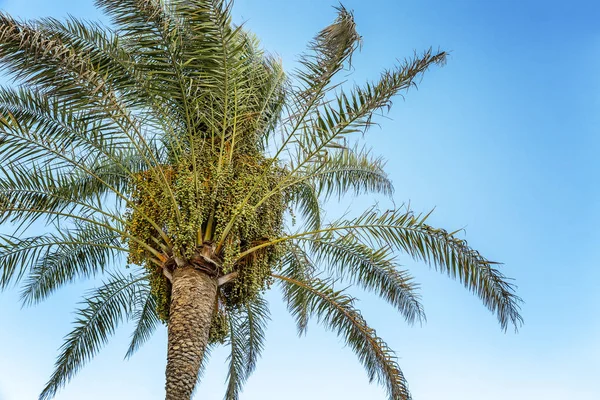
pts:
[410, 233]
[297, 266]
[54, 259]
[83, 252]
[340, 172]
[142, 20]
[372, 269]
[18, 256]
[335, 310]
[145, 319]
[351, 170]
[304, 197]
[247, 335]
[104, 308]
[30, 193]
[353, 112]
[42, 61]
[407, 232]
[35, 59]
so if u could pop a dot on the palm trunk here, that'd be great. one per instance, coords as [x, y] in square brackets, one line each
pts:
[193, 299]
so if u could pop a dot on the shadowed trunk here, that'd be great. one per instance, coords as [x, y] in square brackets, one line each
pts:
[193, 299]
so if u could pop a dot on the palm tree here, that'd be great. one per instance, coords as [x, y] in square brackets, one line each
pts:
[173, 146]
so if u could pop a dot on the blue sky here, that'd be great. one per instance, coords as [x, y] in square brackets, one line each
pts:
[502, 141]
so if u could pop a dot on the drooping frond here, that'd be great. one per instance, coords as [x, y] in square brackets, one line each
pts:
[48, 149]
[35, 59]
[38, 58]
[17, 254]
[108, 54]
[28, 194]
[373, 270]
[297, 266]
[37, 126]
[205, 360]
[145, 24]
[236, 370]
[54, 259]
[335, 310]
[339, 172]
[407, 232]
[145, 319]
[82, 252]
[103, 310]
[410, 233]
[29, 200]
[350, 170]
[31, 192]
[304, 197]
[247, 334]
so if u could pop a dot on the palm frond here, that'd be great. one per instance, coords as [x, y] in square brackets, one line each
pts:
[337, 173]
[407, 232]
[303, 195]
[103, 310]
[350, 170]
[327, 54]
[82, 252]
[65, 165]
[17, 254]
[57, 125]
[335, 310]
[29, 193]
[325, 129]
[34, 58]
[39, 59]
[205, 360]
[145, 319]
[55, 156]
[247, 334]
[121, 70]
[373, 270]
[410, 233]
[298, 266]
[142, 20]
[62, 256]
[107, 52]
[353, 112]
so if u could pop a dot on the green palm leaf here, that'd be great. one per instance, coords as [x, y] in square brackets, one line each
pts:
[351, 170]
[247, 335]
[409, 233]
[373, 270]
[103, 310]
[298, 266]
[82, 252]
[145, 319]
[335, 310]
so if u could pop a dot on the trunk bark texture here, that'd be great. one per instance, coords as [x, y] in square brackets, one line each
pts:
[193, 299]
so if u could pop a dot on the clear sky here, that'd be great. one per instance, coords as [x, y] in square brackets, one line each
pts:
[503, 141]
